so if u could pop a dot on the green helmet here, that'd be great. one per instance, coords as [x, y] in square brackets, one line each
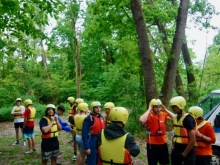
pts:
[71, 99]
[79, 100]
[83, 107]
[109, 105]
[94, 104]
[155, 102]
[51, 106]
[119, 114]
[28, 102]
[196, 111]
[179, 101]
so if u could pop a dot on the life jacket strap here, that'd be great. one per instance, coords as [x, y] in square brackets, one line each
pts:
[113, 163]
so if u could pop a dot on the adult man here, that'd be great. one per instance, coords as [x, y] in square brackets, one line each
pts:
[154, 119]
[205, 136]
[184, 134]
[92, 124]
[18, 112]
[107, 107]
[28, 130]
[50, 126]
[113, 136]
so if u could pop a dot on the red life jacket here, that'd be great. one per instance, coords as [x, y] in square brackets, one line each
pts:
[98, 125]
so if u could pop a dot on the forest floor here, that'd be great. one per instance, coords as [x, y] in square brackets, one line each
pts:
[14, 155]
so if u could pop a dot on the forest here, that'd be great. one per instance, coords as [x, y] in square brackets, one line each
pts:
[126, 52]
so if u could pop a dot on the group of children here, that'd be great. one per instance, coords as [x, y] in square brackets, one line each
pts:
[86, 124]
[103, 140]
[192, 135]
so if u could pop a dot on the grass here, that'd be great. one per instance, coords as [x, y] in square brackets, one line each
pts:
[14, 155]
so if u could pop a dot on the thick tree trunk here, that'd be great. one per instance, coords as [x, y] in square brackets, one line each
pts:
[145, 52]
[173, 57]
[191, 83]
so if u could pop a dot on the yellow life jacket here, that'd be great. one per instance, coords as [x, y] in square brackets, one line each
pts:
[199, 141]
[32, 114]
[18, 109]
[113, 151]
[78, 120]
[180, 132]
[53, 132]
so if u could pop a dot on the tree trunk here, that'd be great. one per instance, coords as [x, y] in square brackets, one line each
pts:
[191, 83]
[173, 57]
[78, 68]
[145, 52]
[44, 60]
[179, 85]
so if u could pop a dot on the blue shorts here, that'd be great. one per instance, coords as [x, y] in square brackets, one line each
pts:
[80, 143]
[28, 132]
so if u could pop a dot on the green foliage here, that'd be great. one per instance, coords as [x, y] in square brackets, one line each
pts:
[5, 112]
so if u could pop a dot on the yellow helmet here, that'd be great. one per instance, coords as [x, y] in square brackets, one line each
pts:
[94, 104]
[79, 100]
[51, 106]
[71, 99]
[83, 107]
[179, 101]
[155, 102]
[119, 114]
[28, 102]
[109, 105]
[18, 99]
[196, 111]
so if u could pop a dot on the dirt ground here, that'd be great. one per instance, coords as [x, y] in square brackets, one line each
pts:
[7, 129]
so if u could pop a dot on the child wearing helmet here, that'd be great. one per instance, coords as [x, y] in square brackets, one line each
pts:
[107, 107]
[18, 113]
[115, 135]
[28, 130]
[49, 126]
[184, 134]
[205, 137]
[92, 124]
[154, 119]
[79, 118]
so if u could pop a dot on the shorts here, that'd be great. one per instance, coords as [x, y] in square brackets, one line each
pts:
[49, 154]
[203, 160]
[19, 125]
[157, 153]
[28, 132]
[80, 143]
[70, 120]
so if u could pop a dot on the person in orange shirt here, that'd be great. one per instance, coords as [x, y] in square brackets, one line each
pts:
[205, 136]
[154, 119]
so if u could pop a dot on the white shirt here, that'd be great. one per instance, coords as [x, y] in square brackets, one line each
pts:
[19, 120]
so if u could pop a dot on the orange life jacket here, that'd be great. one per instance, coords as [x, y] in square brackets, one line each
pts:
[98, 125]
[108, 154]
[158, 127]
[71, 111]
[199, 141]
